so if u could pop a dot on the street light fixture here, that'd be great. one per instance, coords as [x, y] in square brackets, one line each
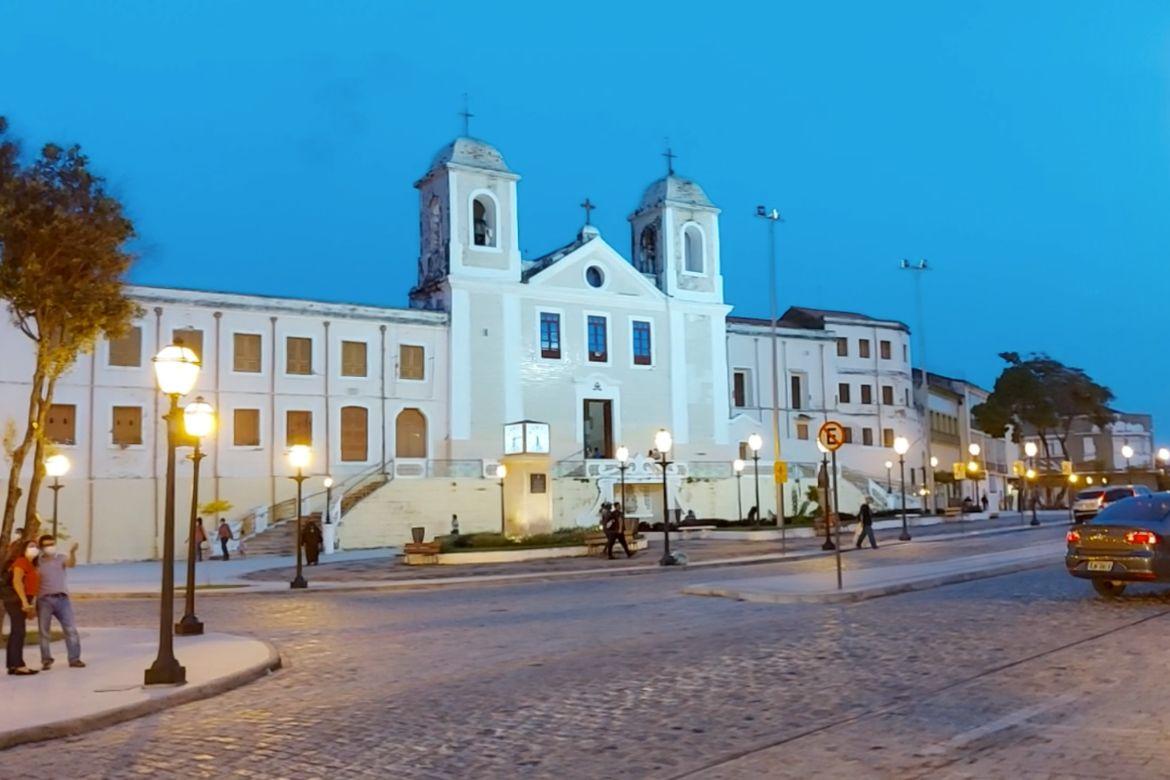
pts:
[1127, 453]
[1164, 456]
[56, 466]
[623, 459]
[754, 444]
[176, 368]
[737, 466]
[501, 473]
[889, 476]
[825, 497]
[1030, 476]
[198, 421]
[663, 441]
[1030, 450]
[299, 457]
[1072, 484]
[902, 446]
[328, 483]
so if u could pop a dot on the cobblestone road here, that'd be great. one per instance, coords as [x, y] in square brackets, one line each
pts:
[624, 677]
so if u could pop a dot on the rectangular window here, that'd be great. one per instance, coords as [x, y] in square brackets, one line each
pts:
[641, 337]
[353, 358]
[191, 338]
[867, 394]
[905, 355]
[598, 339]
[867, 437]
[887, 437]
[246, 353]
[907, 396]
[127, 351]
[848, 434]
[411, 362]
[246, 427]
[802, 431]
[797, 389]
[61, 426]
[741, 388]
[127, 425]
[888, 395]
[843, 392]
[550, 335]
[298, 355]
[884, 347]
[354, 433]
[538, 483]
[298, 428]
[863, 347]
[842, 347]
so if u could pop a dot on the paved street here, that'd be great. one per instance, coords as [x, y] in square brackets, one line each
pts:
[1019, 675]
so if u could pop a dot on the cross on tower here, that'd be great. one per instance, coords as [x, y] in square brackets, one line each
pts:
[467, 115]
[588, 206]
[669, 155]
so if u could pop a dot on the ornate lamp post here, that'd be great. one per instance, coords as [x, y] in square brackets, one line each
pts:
[1030, 476]
[328, 483]
[299, 456]
[663, 441]
[1030, 450]
[755, 442]
[934, 482]
[56, 466]
[1127, 453]
[198, 421]
[737, 466]
[1164, 458]
[623, 459]
[889, 476]
[973, 449]
[501, 472]
[1073, 479]
[176, 368]
[902, 446]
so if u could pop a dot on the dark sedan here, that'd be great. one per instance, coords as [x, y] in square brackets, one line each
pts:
[1128, 541]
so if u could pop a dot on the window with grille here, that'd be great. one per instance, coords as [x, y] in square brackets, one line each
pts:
[353, 358]
[61, 424]
[191, 338]
[598, 339]
[127, 350]
[354, 433]
[298, 355]
[411, 361]
[127, 425]
[550, 335]
[298, 428]
[641, 336]
[246, 352]
[246, 427]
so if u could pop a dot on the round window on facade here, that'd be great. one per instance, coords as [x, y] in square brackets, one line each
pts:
[594, 276]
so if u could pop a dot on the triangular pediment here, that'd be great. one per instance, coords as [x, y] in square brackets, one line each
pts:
[572, 271]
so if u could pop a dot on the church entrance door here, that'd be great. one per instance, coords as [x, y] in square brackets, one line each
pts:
[598, 428]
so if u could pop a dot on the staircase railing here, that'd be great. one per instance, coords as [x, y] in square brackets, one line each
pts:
[263, 517]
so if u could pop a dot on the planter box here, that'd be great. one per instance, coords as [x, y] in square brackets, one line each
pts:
[523, 554]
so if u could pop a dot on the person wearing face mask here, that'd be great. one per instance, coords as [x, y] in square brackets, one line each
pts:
[53, 602]
[18, 590]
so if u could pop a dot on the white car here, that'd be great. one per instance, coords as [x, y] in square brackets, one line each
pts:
[1092, 500]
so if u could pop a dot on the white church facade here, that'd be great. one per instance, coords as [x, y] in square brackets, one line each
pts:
[408, 408]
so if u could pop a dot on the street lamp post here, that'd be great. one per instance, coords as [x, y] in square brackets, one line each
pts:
[1164, 457]
[930, 490]
[623, 459]
[902, 446]
[824, 493]
[973, 467]
[198, 421]
[662, 444]
[1072, 485]
[754, 444]
[1030, 450]
[889, 477]
[737, 467]
[328, 482]
[773, 217]
[56, 466]
[299, 456]
[501, 473]
[1127, 453]
[176, 368]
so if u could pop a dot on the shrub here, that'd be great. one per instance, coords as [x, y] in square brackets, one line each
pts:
[496, 541]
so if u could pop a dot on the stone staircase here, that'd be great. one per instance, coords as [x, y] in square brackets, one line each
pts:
[279, 538]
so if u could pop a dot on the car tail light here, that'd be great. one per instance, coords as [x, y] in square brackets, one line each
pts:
[1141, 537]
[1072, 537]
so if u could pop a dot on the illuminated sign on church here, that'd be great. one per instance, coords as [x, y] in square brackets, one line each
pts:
[526, 437]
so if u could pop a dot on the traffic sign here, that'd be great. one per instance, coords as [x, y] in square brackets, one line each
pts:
[831, 435]
[1066, 467]
[780, 471]
[959, 470]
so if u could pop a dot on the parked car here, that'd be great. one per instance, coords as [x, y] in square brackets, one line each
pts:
[1128, 541]
[1092, 500]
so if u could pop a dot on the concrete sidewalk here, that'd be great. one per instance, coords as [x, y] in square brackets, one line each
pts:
[66, 701]
[868, 583]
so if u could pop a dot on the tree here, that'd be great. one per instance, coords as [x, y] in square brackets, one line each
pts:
[1044, 394]
[62, 260]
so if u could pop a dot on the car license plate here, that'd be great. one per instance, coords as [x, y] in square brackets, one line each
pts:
[1100, 565]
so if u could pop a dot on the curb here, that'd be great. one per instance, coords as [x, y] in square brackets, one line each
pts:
[864, 594]
[185, 694]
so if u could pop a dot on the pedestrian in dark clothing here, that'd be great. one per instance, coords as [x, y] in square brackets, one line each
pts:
[312, 539]
[611, 523]
[225, 535]
[984, 502]
[18, 588]
[200, 538]
[865, 519]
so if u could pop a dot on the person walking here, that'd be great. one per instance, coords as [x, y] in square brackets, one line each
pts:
[53, 602]
[225, 535]
[312, 539]
[865, 520]
[200, 538]
[18, 589]
[611, 523]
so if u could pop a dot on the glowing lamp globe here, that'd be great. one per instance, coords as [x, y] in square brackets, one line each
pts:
[1030, 449]
[622, 454]
[755, 442]
[663, 441]
[974, 449]
[56, 465]
[328, 482]
[176, 369]
[738, 465]
[501, 471]
[198, 418]
[889, 464]
[901, 445]
[1127, 452]
[933, 462]
[299, 456]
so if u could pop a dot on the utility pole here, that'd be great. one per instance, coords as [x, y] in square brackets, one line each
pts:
[923, 402]
[773, 216]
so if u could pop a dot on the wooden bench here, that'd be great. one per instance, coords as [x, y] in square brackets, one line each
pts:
[421, 553]
[596, 542]
[952, 511]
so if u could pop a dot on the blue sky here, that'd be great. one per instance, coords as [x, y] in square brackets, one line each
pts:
[1021, 147]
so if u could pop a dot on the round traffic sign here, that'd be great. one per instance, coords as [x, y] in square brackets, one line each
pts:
[831, 435]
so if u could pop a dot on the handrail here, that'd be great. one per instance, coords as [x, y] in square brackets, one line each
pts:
[272, 511]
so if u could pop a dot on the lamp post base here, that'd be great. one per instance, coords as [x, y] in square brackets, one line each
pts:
[298, 582]
[1035, 521]
[904, 536]
[668, 560]
[189, 625]
[168, 672]
[828, 545]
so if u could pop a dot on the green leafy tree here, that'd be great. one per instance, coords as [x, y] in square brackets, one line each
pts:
[62, 260]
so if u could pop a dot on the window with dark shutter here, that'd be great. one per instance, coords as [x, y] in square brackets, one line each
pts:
[246, 427]
[127, 425]
[354, 433]
[246, 353]
[61, 425]
[127, 350]
[298, 428]
[353, 358]
[191, 338]
[411, 362]
[298, 355]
